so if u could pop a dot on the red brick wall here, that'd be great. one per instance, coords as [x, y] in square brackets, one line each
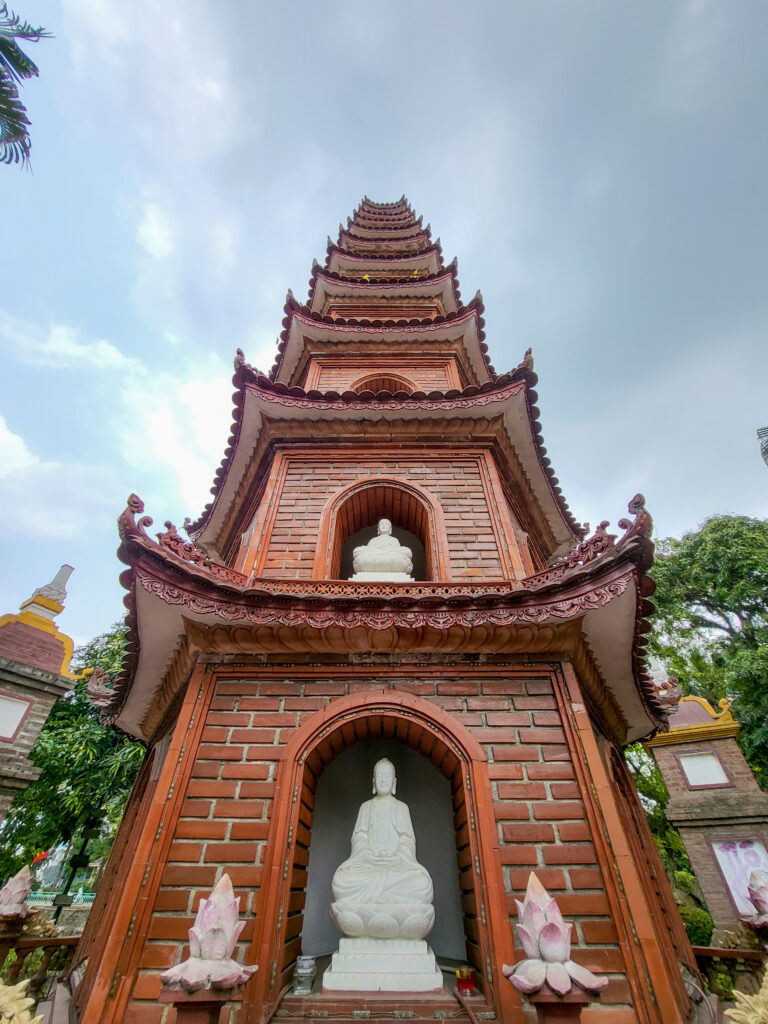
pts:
[226, 812]
[424, 376]
[22, 642]
[457, 483]
[731, 758]
[16, 770]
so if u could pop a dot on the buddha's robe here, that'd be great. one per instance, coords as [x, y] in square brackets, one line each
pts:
[383, 553]
[382, 868]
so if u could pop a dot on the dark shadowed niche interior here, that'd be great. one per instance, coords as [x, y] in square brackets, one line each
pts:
[356, 520]
[344, 785]
[405, 537]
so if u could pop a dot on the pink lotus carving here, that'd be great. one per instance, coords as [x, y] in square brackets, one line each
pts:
[212, 941]
[757, 890]
[14, 894]
[546, 939]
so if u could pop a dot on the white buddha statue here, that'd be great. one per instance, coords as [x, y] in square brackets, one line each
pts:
[383, 557]
[382, 902]
[382, 891]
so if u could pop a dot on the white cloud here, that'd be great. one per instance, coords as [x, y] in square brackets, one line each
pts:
[174, 428]
[51, 499]
[15, 457]
[170, 428]
[154, 231]
[173, 111]
[60, 347]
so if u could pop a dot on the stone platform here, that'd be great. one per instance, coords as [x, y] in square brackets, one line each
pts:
[383, 965]
[380, 1008]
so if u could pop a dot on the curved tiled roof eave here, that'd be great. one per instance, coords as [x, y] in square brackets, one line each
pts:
[446, 274]
[435, 248]
[247, 377]
[602, 574]
[473, 309]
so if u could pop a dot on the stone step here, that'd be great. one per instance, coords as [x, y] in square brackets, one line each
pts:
[56, 1009]
[377, 1008]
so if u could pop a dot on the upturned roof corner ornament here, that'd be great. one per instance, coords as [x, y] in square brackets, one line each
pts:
[527, 361]
[668, 691]
[100, 687]
[127, 524]
[546, 939]
[636, 541]
[13, 896]
[212, 941]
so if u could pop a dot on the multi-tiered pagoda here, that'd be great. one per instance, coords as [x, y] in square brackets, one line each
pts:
[502, 680]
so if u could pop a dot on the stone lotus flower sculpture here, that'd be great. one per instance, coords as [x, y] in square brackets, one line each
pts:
[757, 890]
[750, 1009]
[13, 896]
[212, 941]
[15, 1004]
[546, 939]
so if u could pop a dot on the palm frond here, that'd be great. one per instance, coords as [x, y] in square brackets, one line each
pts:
[14, 61]
[15, 65]
[14, 136]
[11, 25]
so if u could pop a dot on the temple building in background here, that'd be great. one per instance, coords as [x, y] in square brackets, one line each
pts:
[34, 673]
[388, 576]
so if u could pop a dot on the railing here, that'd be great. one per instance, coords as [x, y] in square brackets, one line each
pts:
[45, 899]
[743, 966]
[41, 960]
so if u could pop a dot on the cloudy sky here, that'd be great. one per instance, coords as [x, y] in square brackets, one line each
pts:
[599, 168]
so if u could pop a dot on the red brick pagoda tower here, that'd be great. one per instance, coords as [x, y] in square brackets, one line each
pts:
[502, 681]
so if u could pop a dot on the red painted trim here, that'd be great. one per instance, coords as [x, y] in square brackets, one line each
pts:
[639, 944]
[125, 936]
[256, 552]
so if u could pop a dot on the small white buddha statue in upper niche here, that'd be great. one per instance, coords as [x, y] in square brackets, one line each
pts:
[381, 891]
[383, 558]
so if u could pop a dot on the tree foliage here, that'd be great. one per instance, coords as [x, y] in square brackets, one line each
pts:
[711, 624]
[654, 798]
[87, 769]
[14, 67]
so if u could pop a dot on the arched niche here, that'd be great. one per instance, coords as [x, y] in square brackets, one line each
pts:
[376, 382]
[343, 786]
[359, 507]
[433, 734]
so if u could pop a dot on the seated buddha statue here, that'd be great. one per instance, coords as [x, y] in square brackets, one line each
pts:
[381, 891]
[383, 557]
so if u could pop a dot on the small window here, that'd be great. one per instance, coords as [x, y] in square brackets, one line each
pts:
[703, 769]
[12, 713]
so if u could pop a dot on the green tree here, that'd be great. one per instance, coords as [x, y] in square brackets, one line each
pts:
[87, 769]
[711, 622]
[654, 798]
[14, 67]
